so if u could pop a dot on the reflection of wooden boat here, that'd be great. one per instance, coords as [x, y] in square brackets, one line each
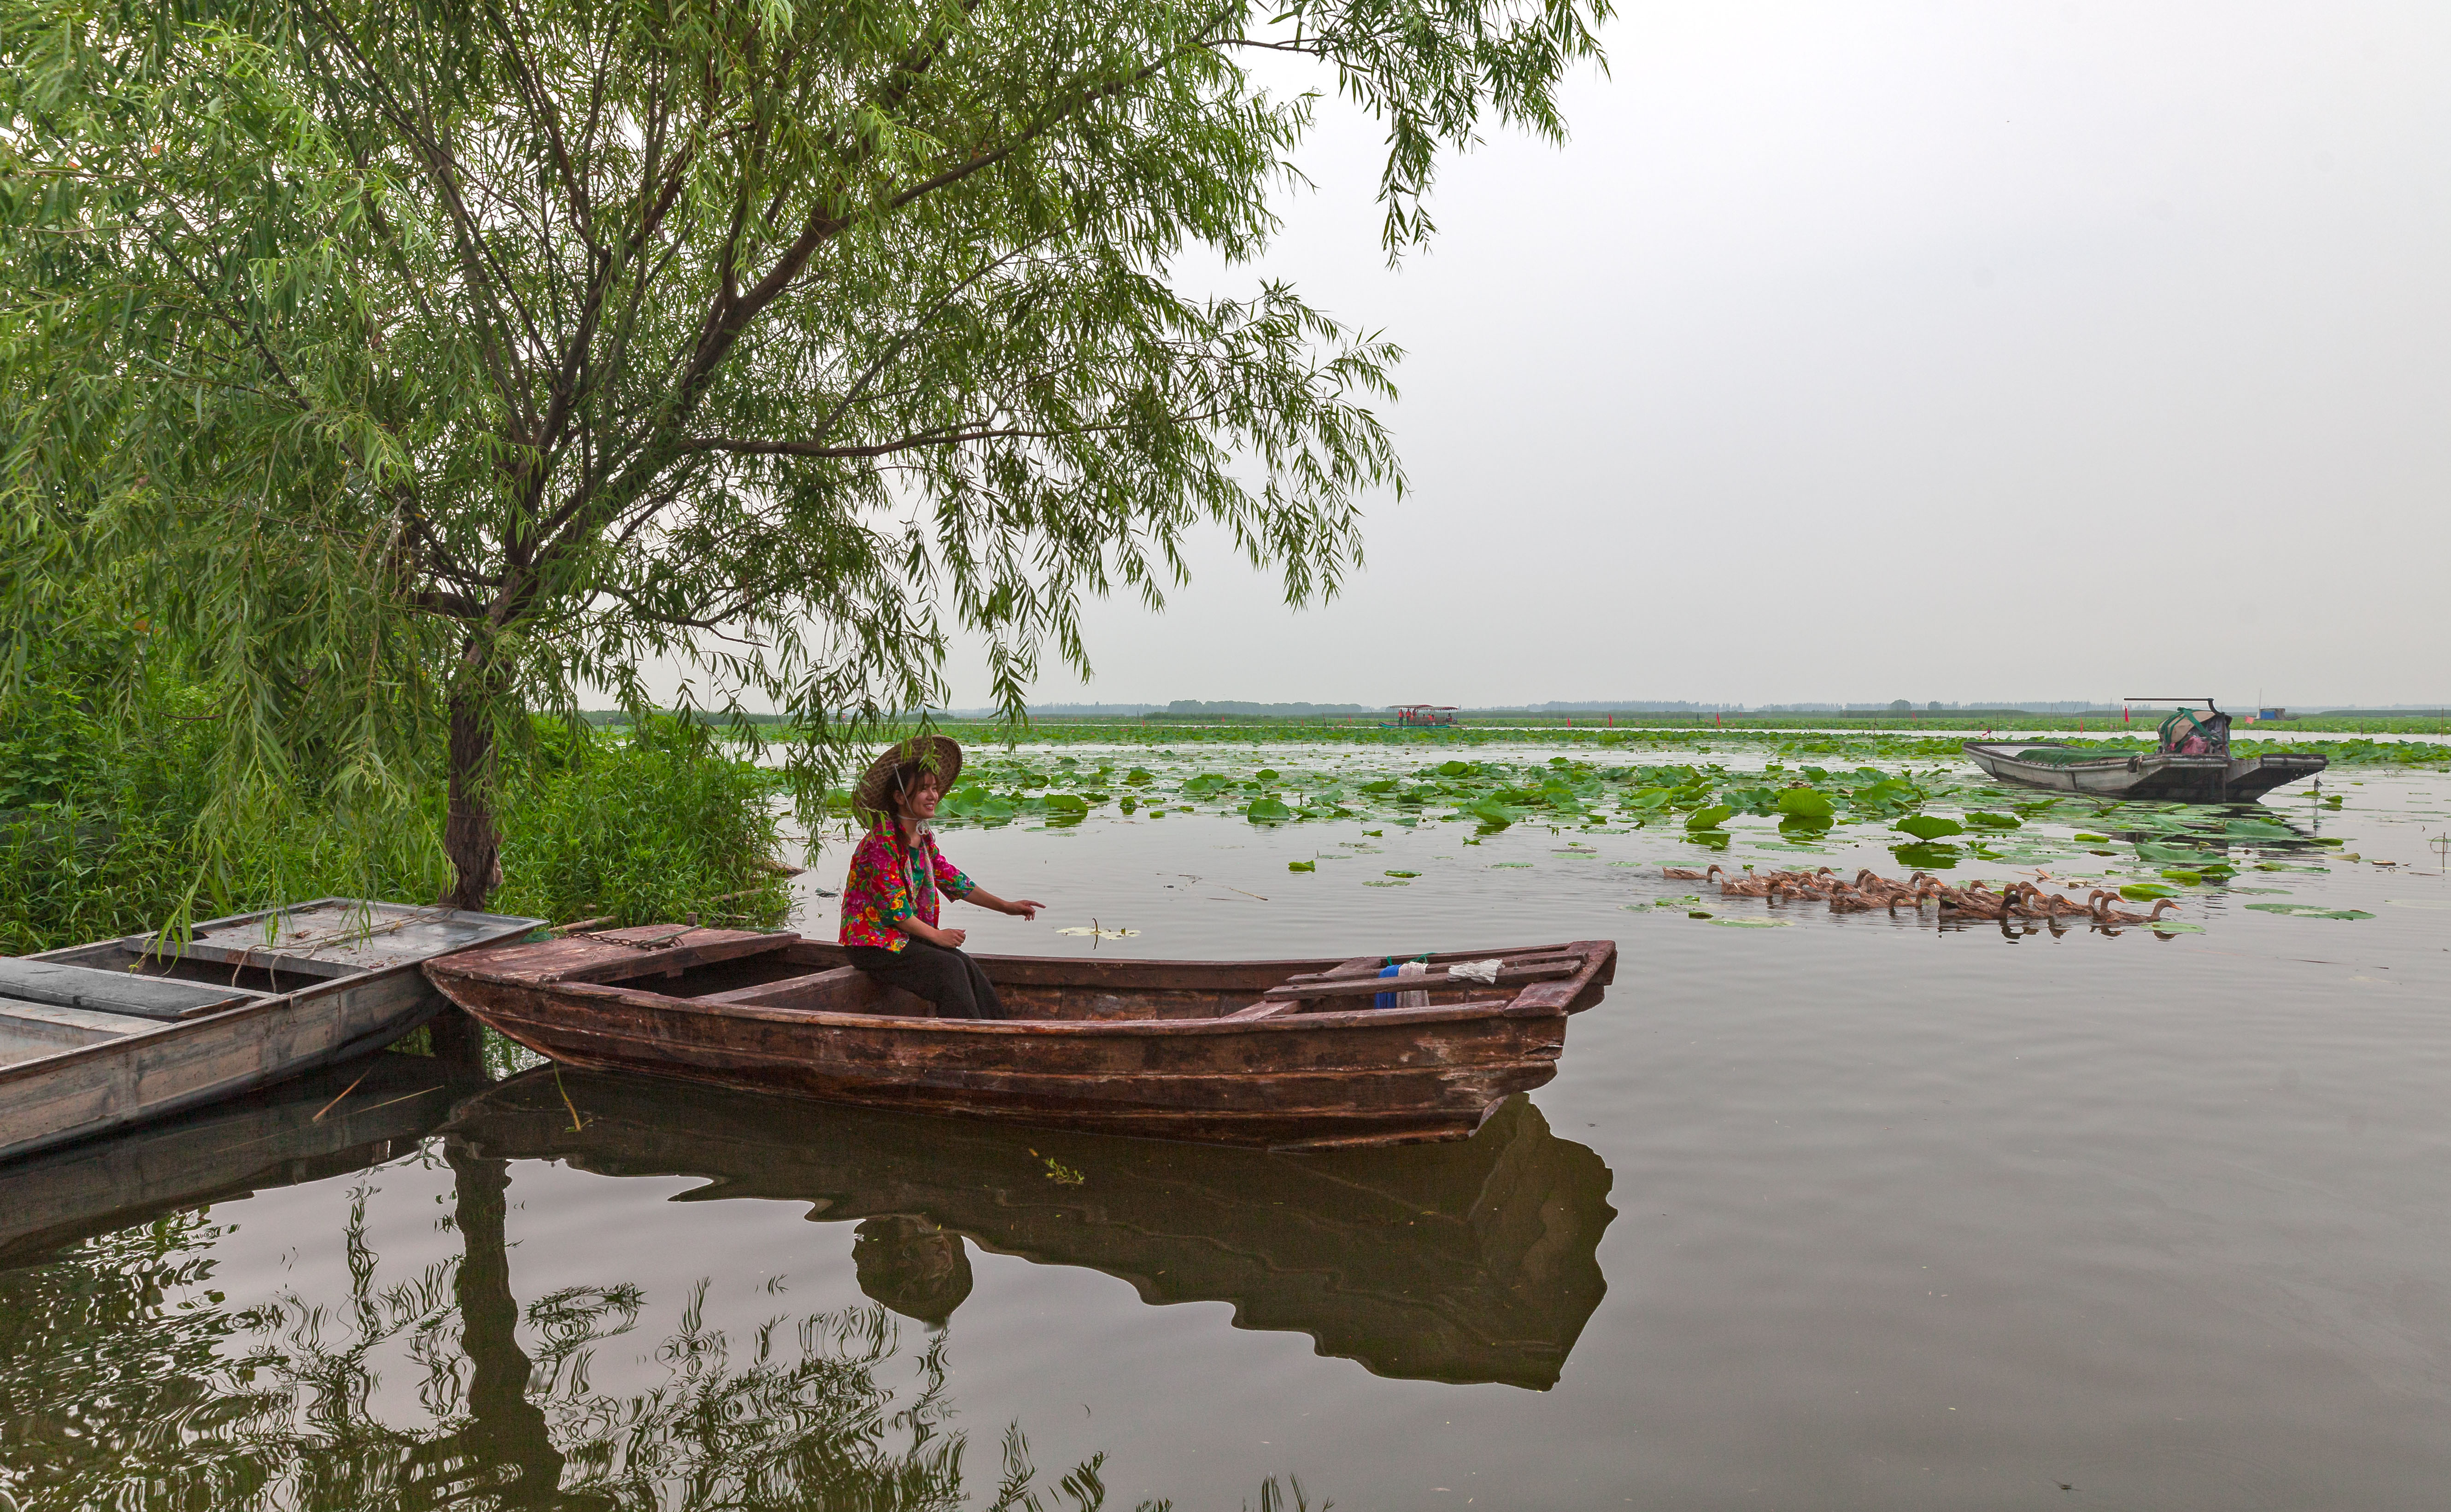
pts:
[304, 1129]
[1464, 1262]
[95, 1037]
[1278, 1053]
[2191, 765]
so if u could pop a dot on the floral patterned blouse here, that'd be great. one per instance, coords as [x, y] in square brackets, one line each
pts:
[889, 882]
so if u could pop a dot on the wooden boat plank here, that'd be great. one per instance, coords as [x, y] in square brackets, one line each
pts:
[106, 991]
[615, 955]
[1023, 1028]
[33, 1031]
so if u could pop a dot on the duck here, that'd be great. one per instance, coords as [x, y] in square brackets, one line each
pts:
[2104, 914]
[1970, 901]
[1684, 874]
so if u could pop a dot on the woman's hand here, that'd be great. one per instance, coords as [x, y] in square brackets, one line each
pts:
[1025, 908]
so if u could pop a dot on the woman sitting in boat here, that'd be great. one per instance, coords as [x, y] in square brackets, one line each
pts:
[890, 901]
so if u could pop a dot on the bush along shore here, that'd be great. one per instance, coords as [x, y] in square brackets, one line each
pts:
[108, 825]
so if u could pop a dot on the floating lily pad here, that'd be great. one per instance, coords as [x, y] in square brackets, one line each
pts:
[1803, 803]
[2308, 911]
[1930, 826]
[2144, 891]
[1302, 866]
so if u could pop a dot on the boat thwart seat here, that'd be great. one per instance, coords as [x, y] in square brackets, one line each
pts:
[108, 992]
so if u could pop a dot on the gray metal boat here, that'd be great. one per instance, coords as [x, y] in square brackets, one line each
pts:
[96, 1037]
[2193, 764]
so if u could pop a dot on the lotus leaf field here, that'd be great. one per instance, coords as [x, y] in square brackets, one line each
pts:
[1801, 793]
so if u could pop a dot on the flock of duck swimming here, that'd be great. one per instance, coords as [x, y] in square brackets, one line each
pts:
[1869, 890]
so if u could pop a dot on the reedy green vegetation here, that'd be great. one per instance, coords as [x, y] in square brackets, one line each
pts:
[108, 823]
[410, 367]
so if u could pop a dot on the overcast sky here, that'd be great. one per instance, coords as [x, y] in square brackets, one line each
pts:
[1864, 351]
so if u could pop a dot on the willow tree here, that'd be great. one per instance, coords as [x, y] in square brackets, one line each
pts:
[408, 365]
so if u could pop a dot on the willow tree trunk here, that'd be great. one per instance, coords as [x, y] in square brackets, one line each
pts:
[471, 837]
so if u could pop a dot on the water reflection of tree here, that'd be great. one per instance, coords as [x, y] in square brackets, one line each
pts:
[125, 1382]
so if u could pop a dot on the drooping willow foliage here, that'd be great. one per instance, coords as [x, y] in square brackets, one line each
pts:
[409, 365]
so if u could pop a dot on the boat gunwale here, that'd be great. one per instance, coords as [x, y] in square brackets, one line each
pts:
[1552, 998]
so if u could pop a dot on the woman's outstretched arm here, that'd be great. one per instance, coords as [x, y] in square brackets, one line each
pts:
[1020, 908]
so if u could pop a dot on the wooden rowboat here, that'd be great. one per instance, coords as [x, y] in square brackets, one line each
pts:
[1282, 1055]
[2150, 774]
[95, 1037]
[1469, 1261]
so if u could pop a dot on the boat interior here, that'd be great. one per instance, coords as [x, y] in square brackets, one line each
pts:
[49, 1005]
[786, 972]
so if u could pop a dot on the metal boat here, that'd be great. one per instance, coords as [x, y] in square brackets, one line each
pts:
[96, 1037]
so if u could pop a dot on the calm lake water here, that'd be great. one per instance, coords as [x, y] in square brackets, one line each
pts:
[1852, 1211]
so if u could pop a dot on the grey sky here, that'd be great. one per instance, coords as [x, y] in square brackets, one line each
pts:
[1871, 351]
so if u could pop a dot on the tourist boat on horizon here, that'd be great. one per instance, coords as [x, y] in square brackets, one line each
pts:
[1283, 1055]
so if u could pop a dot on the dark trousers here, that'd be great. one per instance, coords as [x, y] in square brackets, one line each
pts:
[942, 976]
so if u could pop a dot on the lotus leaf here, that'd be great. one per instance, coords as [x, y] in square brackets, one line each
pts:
[1302, 866]
[1710, 818]
[1930, 826]
[1266, 810]
[1803, 803]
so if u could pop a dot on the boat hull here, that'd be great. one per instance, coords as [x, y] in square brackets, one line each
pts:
[2150, 775]
[105, 1077]
[1299, 1080]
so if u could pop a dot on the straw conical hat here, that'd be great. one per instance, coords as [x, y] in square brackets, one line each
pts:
[934, 753]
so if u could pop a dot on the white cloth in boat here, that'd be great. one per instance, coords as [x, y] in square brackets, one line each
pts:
[1484, 972]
